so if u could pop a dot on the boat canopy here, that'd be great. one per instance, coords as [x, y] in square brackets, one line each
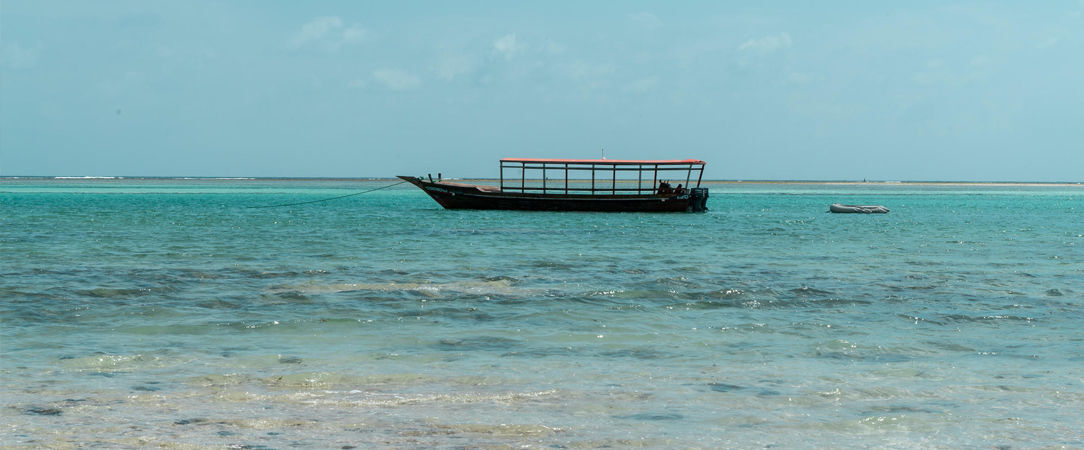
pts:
[620, 162]
[597, 176]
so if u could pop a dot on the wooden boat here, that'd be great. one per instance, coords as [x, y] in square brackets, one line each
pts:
[861, 209]
[582, 185]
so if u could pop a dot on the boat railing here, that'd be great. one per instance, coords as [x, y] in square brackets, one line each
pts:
[597, 177]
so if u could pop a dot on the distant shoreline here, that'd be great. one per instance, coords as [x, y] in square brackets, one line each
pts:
[905, 183]
[839, 183]
[494, 181]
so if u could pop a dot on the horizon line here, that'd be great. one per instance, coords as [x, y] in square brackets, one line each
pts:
[385, 178]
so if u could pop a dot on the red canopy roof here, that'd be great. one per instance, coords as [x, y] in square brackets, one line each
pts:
[604, 161]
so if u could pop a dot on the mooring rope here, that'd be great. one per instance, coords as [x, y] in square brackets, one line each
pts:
[329, 199]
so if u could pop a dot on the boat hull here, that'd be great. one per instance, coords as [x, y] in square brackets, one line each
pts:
[462, 196]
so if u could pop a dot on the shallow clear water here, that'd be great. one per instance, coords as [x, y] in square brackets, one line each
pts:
[153, 312]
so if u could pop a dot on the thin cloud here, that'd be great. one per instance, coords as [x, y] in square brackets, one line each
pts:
[581, 70]
[646, 20]
[395, 79]
[354, 34]
[327, 33]
[1047, 43]
[453, 64]
[642, 85]
[767, 43]
[553, 48]
[800, 78]
[508, 46]
[14, 56]
[588, 75]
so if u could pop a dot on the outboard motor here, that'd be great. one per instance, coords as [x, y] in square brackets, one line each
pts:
[698, 199]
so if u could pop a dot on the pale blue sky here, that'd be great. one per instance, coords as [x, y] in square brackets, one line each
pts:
[761, 90]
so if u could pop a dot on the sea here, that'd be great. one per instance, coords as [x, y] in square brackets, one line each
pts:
[200, 312]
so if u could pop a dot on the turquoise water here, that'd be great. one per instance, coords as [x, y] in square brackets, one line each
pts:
[156, 312]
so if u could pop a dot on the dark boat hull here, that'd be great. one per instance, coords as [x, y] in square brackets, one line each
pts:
[462, 196]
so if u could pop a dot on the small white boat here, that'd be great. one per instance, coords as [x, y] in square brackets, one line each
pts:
[861, 209]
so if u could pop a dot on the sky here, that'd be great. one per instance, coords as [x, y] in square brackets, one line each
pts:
[761, 90]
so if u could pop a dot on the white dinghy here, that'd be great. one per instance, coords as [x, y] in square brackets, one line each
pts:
[861, 209]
